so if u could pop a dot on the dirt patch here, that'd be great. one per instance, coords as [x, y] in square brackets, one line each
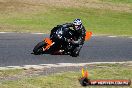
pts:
[11, 6]
[109, 6]
[97, 4]
[32, 72]
[33, 5]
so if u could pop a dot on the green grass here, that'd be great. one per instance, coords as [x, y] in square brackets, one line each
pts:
[7, 73]
[119, 1]
[70, 79]
[99, 21]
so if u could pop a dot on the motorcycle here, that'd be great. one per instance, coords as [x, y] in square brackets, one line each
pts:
[57, 43]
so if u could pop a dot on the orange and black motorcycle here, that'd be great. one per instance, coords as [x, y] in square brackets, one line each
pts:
[57, 43]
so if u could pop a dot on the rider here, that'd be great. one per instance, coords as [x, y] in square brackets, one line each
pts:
[80, 32]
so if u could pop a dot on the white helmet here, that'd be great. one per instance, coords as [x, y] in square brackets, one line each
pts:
[77, 24]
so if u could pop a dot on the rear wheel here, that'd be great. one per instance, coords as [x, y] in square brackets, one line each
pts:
[38, 49]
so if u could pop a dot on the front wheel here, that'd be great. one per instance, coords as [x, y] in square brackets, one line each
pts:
[75, 52]
[38, 49]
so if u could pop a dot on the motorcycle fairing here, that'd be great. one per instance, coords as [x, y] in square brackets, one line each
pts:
[88, 35]
[49, 43]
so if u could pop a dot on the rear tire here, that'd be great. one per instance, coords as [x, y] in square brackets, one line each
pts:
[38, 49]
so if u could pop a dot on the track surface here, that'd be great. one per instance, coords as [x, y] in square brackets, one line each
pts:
[15, 49]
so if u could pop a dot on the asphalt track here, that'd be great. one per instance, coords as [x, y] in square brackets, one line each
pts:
[16, 48]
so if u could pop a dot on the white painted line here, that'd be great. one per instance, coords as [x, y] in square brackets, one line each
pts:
[33, 66]
[41, 66]
[94, 35]
[8, 32]
[47, 33]
[19, 32]
[112, 36]
[37, 33]
[4, 32]
[129, 37]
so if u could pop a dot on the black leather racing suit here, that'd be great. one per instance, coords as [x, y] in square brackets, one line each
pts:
[80, 36]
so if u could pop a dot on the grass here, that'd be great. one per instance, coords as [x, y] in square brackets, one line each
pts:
[70, 79]
[119, 1]
[44, 17]
[8, 73]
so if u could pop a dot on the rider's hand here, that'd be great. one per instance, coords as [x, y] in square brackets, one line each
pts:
[72, 41]
[75, 42]
[68, 40]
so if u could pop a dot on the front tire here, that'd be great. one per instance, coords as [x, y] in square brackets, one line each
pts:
[38, 49]
[75, 52]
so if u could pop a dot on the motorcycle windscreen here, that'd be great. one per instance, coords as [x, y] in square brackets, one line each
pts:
[88, 35]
